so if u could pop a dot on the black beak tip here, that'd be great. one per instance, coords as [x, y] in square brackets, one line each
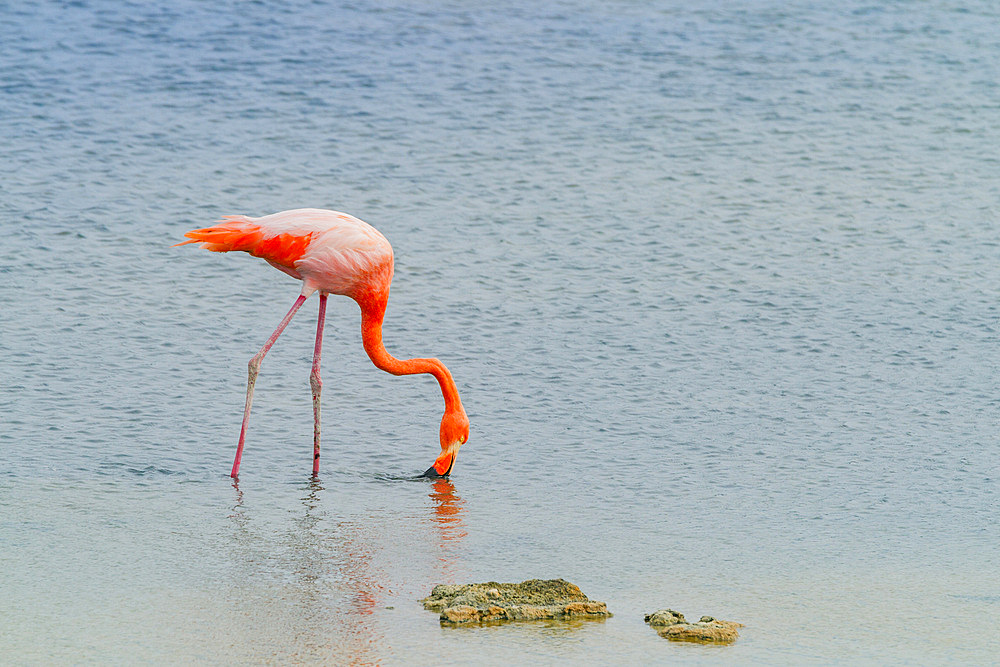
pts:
[431, 473]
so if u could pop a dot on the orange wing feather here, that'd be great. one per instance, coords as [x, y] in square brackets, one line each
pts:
[242, 235]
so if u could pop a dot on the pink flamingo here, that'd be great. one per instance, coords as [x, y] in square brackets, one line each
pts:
[333, 253]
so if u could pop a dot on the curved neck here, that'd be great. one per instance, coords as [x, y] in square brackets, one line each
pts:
[372, 314]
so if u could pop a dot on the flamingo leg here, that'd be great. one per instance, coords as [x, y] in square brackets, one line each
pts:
[252, 368]
[315, 382]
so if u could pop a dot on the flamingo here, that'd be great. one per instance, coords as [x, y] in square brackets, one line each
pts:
[332, 253]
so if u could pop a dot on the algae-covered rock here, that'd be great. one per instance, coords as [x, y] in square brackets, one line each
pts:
[528, 600]
[672, 625]
[664, 618]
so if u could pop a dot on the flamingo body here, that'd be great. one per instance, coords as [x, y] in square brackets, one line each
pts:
[333, 253]
[328, 251]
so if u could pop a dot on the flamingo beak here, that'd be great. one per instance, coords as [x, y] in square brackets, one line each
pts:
[442, 467]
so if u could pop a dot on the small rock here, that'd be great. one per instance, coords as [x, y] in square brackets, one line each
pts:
[664, 618]
[530, 600]
[671, 625]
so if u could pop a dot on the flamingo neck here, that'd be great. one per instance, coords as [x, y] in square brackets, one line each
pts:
[372, 314]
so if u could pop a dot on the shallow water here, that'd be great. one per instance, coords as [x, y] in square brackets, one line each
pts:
[718, 287]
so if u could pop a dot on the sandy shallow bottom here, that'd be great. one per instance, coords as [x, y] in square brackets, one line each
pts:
[304, 573]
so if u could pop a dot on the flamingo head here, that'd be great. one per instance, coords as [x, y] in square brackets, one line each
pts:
[454, 434]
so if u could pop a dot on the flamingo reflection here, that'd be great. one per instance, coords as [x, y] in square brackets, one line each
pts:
[341, 555]
[314, 586]
[317, 578]
[448, 511]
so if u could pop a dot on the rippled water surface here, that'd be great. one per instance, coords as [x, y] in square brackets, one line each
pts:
[719, 287]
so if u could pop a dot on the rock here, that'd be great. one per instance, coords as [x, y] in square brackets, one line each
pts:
[722, 632]
[672, 625]
[664, 618]
[530, 600]
[461, 613]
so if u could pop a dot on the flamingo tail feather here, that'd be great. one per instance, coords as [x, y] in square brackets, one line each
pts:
[240, 233]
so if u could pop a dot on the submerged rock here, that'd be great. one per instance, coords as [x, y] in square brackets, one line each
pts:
[529, 600]
[673, 626]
